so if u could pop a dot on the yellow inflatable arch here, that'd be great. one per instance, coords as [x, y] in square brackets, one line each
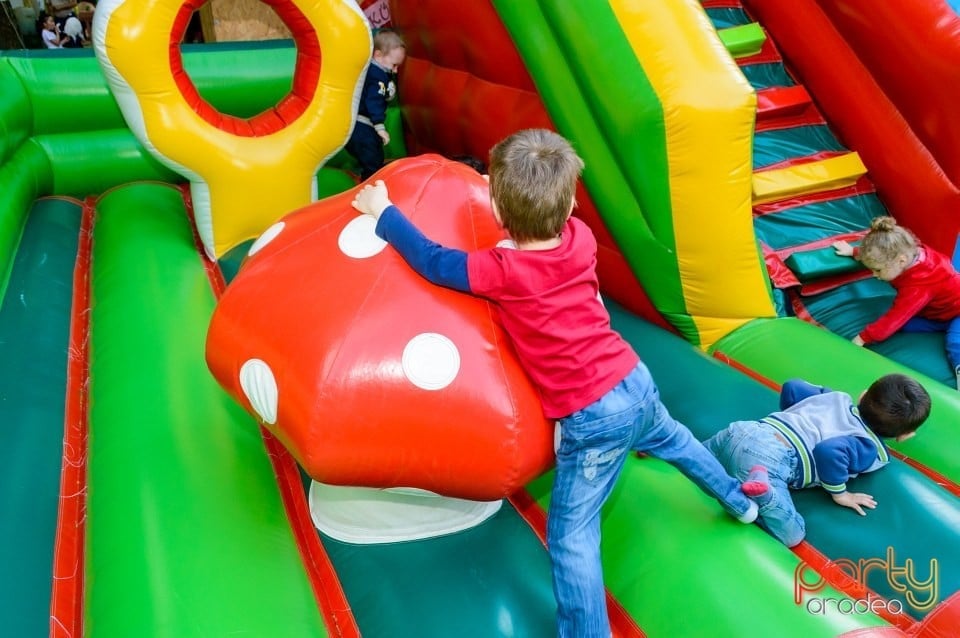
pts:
[244, 173]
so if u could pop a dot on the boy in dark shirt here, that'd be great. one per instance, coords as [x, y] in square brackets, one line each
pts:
[369, 134]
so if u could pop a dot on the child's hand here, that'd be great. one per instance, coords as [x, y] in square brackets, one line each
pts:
[855, 501]
[384, 136]
[857, 341]
[843, 248]
[372, 199]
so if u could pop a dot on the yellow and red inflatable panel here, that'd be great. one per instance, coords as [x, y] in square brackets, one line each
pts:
[245, 173]
[370, 375]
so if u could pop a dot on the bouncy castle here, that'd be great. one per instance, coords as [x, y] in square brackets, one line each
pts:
[230, 409]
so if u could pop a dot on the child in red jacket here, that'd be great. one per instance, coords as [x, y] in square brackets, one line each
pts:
[927, 285]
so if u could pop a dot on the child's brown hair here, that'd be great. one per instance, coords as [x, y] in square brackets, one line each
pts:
[533, 181]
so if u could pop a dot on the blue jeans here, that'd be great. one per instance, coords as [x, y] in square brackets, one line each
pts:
[595, 441]
[951, 328]
[744, 444]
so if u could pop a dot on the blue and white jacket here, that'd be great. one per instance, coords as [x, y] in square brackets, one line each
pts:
[379, 88]
[833, 443]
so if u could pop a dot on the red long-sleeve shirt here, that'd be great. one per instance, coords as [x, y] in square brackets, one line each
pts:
[929, 288]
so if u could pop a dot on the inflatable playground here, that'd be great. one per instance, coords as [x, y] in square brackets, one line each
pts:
[228, 411]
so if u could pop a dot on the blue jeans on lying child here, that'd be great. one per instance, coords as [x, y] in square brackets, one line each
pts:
[595, 441]
[744, 444]
[951, 328]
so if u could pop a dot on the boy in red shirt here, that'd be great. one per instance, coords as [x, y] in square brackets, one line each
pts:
[546, 295]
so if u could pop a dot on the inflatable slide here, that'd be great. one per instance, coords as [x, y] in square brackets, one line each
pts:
[142, 500]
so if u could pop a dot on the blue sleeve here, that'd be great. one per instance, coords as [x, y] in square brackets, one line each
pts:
[796, 390]
[841, 457]
[435, 263]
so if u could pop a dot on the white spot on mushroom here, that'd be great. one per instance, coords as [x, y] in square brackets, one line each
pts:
[430, 361]
[268, 236]
[359, 240]
[260, 387]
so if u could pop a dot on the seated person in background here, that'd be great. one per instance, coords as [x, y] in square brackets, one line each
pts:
[928, 287]
[73, 33]
[818, 438]
[51, 35]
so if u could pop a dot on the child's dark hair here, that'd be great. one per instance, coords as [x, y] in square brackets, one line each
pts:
[894, 404]
[473, 162]
[533, 180]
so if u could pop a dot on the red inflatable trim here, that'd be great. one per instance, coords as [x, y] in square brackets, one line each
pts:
[66, 595]
[863, 187]
[306, 75]
[942, 622]
[912, 48]
[779, 101]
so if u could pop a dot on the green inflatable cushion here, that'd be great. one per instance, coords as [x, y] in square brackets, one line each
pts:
[810, 265]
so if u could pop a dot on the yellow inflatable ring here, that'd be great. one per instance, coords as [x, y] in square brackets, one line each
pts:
[244, 173]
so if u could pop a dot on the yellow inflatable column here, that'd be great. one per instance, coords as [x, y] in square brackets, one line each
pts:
[244, 173]
[709, 109]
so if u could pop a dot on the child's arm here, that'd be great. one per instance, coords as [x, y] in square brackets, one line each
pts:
[855, 501]
[839, 458]
[375, 106]
[906, 305]
[908, 302]
[438, 264]
[796, 390]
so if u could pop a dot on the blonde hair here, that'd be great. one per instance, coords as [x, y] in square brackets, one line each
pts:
[386, 41]
[533, 181]
[886, 241]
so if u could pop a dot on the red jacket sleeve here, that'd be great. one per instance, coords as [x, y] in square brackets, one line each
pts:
[906, 305]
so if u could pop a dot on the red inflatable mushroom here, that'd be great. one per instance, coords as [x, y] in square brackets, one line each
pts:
[368, 374]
